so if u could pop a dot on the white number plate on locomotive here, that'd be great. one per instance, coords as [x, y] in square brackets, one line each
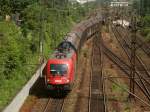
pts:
[58, 81]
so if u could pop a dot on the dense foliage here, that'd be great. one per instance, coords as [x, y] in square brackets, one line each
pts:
[143, 9]
[145, 29]
[45, 21]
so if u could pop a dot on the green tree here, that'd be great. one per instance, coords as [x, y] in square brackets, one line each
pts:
[13, 6]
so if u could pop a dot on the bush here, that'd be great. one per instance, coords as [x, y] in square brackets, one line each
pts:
[15, 55]
[145, 31]
[148, 37]
[146, 21]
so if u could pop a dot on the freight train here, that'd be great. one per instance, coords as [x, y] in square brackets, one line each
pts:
[59, 72]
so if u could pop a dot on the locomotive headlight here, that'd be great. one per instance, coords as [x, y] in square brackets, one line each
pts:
[67, 80]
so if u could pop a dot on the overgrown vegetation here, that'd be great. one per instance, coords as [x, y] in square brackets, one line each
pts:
[46, 22]
[143, 9]
[145, 30]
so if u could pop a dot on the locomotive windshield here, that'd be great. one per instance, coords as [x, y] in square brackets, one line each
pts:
[58, 69]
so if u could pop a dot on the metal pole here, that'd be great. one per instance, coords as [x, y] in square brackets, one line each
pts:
[53, 26]
[52, 3]
[122, 14]
[141, 5]
[41, 31]
[1, 36]
[88, 5]
[133, 56]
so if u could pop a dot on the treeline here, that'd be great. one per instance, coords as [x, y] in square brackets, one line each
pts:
[143, 10]
[13, 6]
[37, 23]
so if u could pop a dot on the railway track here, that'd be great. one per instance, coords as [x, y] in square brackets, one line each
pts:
[140, 43]
[143, 46]
[49, 104]
[96, 93]
[140, 66]
[54, 105]
[124, 67]
[141, 71]
[124, 43]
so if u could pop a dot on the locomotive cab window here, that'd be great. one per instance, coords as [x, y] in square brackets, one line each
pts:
[58, 69]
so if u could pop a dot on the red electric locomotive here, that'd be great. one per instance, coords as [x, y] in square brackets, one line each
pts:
[60, 68]
[59, 71]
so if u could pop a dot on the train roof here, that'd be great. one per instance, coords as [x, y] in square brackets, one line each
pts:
[62, 55]
[87, 23]
[65, 50]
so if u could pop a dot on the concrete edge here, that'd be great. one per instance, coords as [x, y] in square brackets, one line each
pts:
[19, 99]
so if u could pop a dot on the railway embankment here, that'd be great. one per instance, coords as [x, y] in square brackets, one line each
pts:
[19, 99]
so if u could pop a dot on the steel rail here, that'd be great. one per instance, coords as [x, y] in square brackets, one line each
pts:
[123, 66]
[54, 105]
[140, 43]
[99, 42]
[90, 83]
[102, 79]
[47, 105]
[127, 52]
[122, 77]
[124, 42]
[146, 103]
[144, 46]
[96, 82]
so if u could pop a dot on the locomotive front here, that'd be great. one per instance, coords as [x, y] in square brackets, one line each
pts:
[60, 69]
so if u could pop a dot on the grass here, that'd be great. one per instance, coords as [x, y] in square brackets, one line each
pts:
[120, 94]
[9, 88]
